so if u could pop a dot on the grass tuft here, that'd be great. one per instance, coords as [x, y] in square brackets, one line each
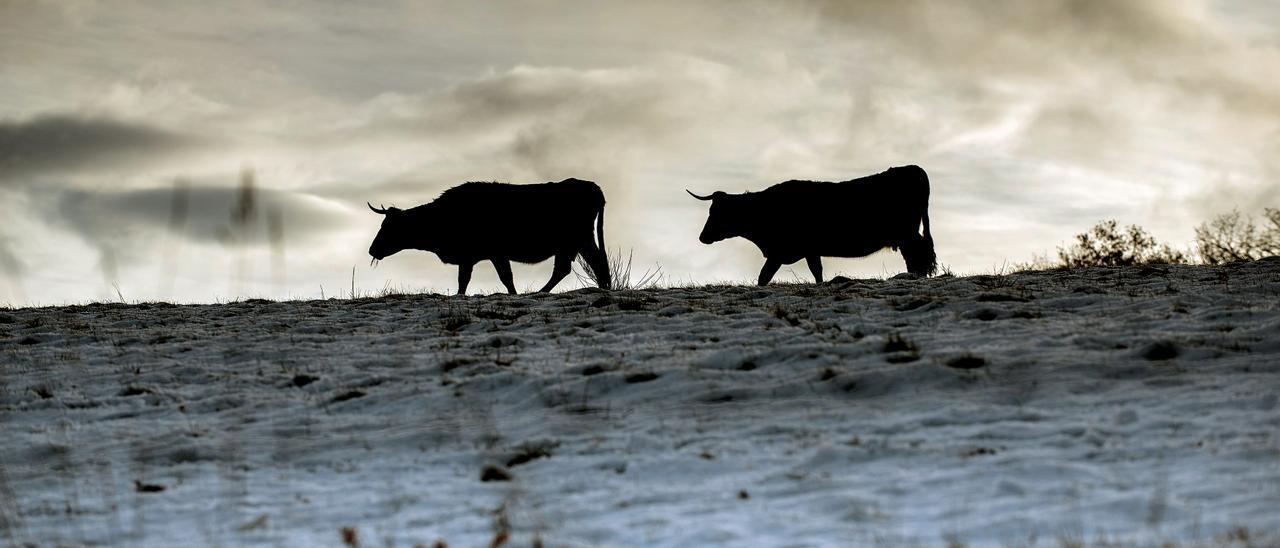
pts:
[620, 270]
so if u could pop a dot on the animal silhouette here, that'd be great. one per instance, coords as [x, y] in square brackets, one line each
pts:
[500, 223]
[809, 220]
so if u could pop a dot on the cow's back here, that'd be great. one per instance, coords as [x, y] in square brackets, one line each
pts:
[850, 218]
[526, 223]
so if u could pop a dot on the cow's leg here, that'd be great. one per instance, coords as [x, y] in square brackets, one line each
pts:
[815, 266]
[599, 263]
[503, 267]
[464, 277]
[771, 267]
[564, 265]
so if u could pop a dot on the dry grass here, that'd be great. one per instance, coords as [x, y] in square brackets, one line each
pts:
[621, 271]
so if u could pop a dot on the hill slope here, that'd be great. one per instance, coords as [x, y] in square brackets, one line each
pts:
[1137, 404]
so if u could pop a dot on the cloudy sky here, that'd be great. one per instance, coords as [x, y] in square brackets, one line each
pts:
[127, 128]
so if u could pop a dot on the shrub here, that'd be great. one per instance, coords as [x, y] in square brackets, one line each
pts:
[1231, 237]
[1107, 245]
[620, 273]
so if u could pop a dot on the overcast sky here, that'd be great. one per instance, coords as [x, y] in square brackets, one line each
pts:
[127, 127]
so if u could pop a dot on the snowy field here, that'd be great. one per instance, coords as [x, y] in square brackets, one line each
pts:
[1131, 406]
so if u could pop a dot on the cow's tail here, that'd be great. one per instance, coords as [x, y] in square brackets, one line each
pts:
[930, 257]
[600, 228]
[920, 256]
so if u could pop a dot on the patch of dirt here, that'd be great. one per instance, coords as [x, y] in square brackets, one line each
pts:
[635, 378]
[494, 473]
[1161, 351]
[966, 361]
[348, 395]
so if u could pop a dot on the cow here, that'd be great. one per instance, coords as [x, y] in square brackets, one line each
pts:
[500, 223]
[809, 220]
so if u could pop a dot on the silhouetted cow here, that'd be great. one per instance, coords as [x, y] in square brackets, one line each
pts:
[500, 223]
[810, 220]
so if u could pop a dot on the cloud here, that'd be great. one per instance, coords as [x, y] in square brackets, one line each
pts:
[64, 143]
[623, 100]
[616, 124]
[12, 266]
[1029, 37]
[1051, 48]
[13, 270]
[132, 221]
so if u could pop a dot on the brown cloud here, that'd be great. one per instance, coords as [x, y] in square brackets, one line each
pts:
[60, 144]
[12, 267]
[131, 220]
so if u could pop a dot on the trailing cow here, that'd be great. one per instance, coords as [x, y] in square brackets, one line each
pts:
[500, 223]
[810, 219]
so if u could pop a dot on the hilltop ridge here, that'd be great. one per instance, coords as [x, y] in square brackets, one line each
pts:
[1138, 404]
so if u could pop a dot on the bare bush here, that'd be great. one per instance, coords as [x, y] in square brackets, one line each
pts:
[1107, 245]
[620, 272]
[1231, 237]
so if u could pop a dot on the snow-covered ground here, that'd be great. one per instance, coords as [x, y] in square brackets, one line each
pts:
[1135, 405]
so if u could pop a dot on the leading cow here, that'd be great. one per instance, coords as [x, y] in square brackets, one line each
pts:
[810, 219]
[500, 223]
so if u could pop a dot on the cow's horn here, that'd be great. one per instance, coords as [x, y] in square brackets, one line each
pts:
[703, 198]
[376, 210]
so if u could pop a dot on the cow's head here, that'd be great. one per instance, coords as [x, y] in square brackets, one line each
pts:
[725, 220]
[394, 234]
